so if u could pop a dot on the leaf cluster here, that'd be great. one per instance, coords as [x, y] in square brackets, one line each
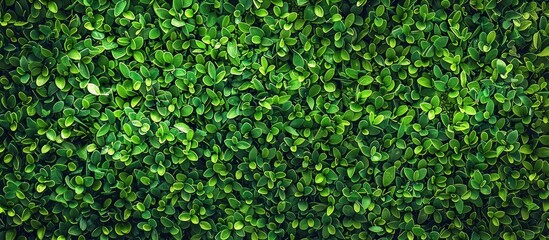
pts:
[272, 119]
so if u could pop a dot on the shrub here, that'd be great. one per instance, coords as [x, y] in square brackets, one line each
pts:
[272, 119]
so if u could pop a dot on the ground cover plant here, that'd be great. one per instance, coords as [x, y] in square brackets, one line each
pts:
[274, 119]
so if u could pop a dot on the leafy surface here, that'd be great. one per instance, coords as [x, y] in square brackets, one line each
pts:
[272, 119]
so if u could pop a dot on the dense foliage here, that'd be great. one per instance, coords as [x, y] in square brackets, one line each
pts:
[274, 119]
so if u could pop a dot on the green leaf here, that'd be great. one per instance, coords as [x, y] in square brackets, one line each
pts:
[10, 235]
[74, 230]
[52, 6]
[122, 229]
[135, 76]
[84, 71]
[542, 152]
[376, 229]
[212, 71]
[329, 74]
[491, 37]
[60, 82]
[243, 145]
[178, 5]
[501, 66]
[320, 178]
[319, 11]
[365, 80]
[544, 52]
[94, 89]
[441, 42]
[41, 80]
[187, 111]
[166, 222]
[232, 49]
[459, 206]
[233, 113]
[512, 137]
[103, 130]
[238, 225]
[291, 130]
[119, 7]
[389, 176]
[187, 3]
[418, 231]
[74, 54]
[192, 156]
[136, 43]
[124, 70]
[118, 53]
[154, 33]
[469, 110]
[297, 60]
[330, 87]
[425, 82]
[183, 127]
[205, 225]
[225, 234]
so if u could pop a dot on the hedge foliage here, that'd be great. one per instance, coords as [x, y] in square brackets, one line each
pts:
[273, 119]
